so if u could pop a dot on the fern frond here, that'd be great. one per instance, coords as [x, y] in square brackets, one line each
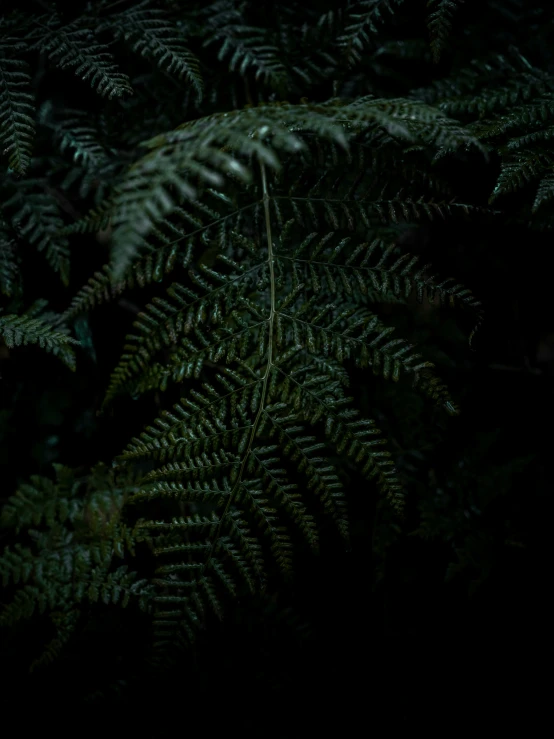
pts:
[42, 500]
[212, 151]
[198, 151]
[75, 530]
[264, 330]
[35, 217]
[487, 87]
[413, 121]
[149, 33]
[534, 137]
[169, 245]
[261, 327]
[66, 625]
[9, 267]
[190, 436]
[545, 191]
[534, 113]
[519, 168]
[268, 236]
[439, 22]
[249, 47]
[73, 46]
[75, 136]
[360, 22]
[17, 330]
[17, 125]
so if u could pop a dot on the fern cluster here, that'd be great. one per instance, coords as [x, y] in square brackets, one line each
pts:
[73, 536]
[254, 174]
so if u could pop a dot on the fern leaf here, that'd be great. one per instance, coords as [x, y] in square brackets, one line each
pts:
[149, 33]
[75, 136]
[212, 152]
[177, 158]
[169, 245]
[42, 500]
[17, 330]
[545, 191]
[439, 22]
[247, 48]
[8, 261]
[275, 306]
[17, 126]
[73, 46]
[489, 86]
[519, 168]
[36, 219]
[360, 22]
[76, 533]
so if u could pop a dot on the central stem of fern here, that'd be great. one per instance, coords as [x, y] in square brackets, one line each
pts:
[265, 378]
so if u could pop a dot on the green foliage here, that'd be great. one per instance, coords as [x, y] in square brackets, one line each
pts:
[439, 22]
[35, 217]
[8, 262]
[360, 20]
[73, 538]
[506, 103]
[150, 33]
[17, 330]
[73, 46]
[17, 126]
[253, 174]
